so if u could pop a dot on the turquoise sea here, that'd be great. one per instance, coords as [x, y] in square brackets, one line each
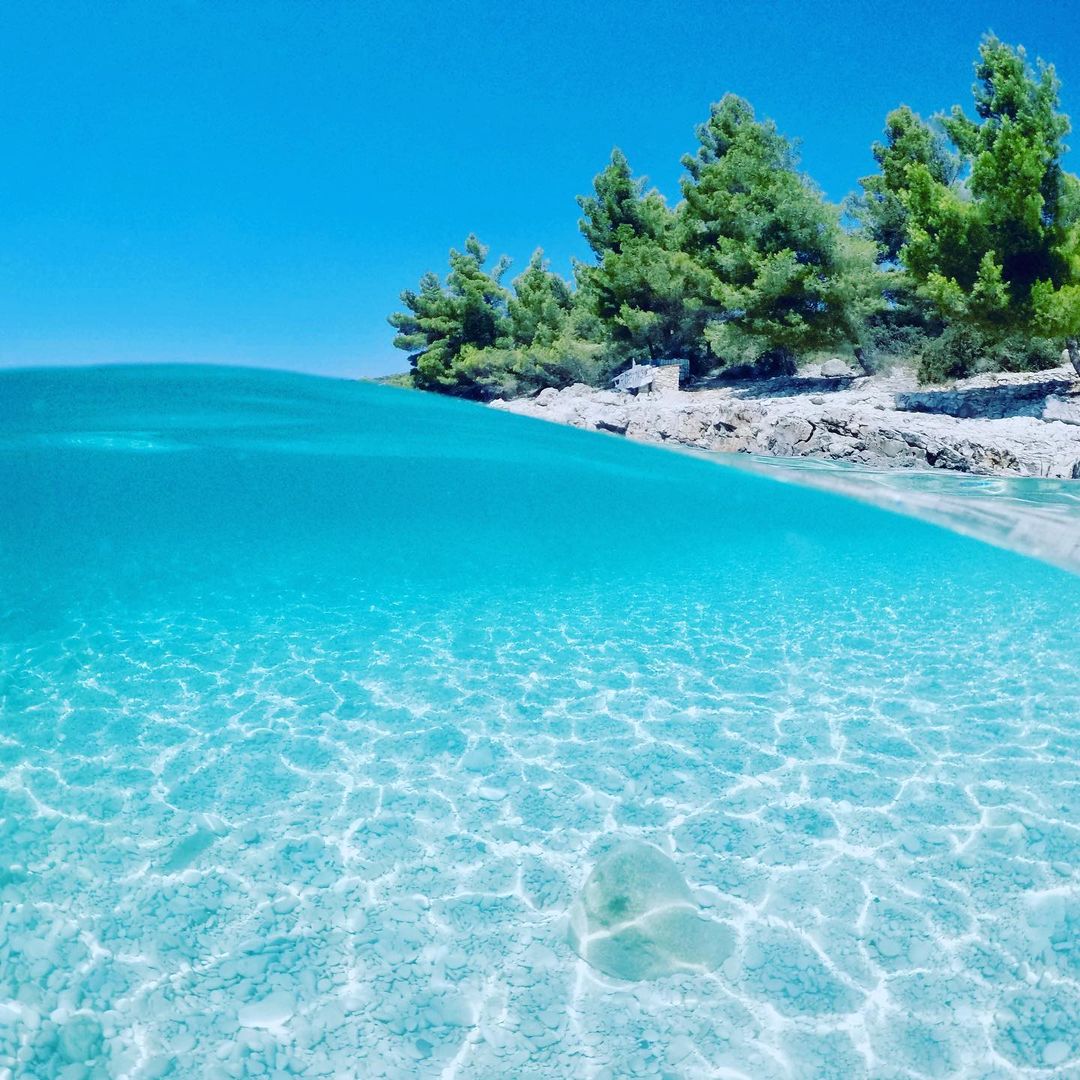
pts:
[329, 711]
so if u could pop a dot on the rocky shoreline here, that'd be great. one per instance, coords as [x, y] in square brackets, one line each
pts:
[1006, 425]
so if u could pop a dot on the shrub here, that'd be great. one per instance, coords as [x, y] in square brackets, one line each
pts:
[1021, 353]
[886, 346]
[772, 364]
[964, 350]
[517, 372]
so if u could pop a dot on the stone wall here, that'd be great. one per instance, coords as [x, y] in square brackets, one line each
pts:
[666, 379]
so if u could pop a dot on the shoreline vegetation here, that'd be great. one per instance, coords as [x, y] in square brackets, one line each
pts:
[958, 258]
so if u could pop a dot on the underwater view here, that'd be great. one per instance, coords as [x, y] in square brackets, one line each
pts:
[347, 731]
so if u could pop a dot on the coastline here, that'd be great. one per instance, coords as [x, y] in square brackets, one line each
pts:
[1018, 424]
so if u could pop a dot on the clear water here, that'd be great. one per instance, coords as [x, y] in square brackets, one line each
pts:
[321, 701]
[1034, 516]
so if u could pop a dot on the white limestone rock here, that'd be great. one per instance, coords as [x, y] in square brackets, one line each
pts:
[1065, 412]
[835, 369]
[80, 1039]
[978, 426]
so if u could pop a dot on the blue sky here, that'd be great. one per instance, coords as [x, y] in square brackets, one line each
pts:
[255, 182]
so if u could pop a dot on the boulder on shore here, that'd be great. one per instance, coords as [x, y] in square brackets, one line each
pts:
[835, 369]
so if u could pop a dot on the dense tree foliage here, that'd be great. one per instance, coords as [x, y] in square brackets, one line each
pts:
[908, 140]
[540, 306]
[444, 322]
[620, 210]
[965, 255]
[990, 233]
[472, 337]
[982, 255]
[782, 275]
[645, 291]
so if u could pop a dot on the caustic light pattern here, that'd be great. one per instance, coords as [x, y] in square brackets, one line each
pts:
[348, 732]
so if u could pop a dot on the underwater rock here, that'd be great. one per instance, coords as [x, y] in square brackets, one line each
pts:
[636, 918]
[80, 1039]
[275, 1009]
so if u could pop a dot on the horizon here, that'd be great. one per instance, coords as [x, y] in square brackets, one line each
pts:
[242, 186]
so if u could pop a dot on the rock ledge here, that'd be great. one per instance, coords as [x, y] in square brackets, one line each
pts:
[1009, 425]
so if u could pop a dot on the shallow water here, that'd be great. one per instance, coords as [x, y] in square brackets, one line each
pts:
[320, 701]
[1032, 515]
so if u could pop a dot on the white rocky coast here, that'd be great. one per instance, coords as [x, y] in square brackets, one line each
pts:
[1008, 424]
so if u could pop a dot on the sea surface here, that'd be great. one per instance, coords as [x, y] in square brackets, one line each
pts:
[1032, 515]
[321, 701]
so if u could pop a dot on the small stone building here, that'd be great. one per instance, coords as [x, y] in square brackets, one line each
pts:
[653, 377]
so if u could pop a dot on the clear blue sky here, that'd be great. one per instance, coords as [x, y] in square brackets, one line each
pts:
[255, 182]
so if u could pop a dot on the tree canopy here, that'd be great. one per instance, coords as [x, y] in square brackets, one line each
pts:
[908, 140]
[989, 230]
[962, 250]
[469, 311]
[644, 290]
[781, 272]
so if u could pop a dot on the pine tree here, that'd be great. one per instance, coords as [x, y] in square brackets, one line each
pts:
[1017, 182]
[909, 140]
[644, 290]
[541, 304]
[782, 275]
[620, 210]
[442, 321]
[1001, 250]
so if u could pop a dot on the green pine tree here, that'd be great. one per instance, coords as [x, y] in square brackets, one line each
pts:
[541, 304]
[620, 209]
[644, 290]
[1000, 250]
[783, 277]
[442, 322]
[881, 209]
